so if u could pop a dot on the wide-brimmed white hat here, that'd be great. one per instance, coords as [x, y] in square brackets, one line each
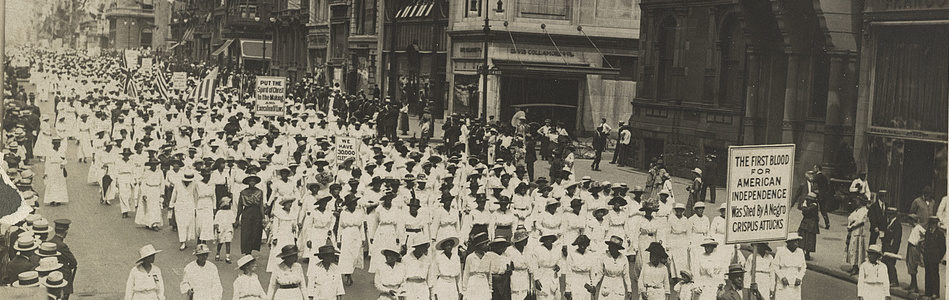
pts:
[146, 251]
[794, 236]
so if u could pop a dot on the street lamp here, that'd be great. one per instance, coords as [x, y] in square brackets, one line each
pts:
[484, 70]
[264, 54]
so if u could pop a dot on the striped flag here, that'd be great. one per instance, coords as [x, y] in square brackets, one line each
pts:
[162, 85]
[205, 90]
[130, 87]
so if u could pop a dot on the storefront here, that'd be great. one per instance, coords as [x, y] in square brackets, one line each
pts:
[904, 98]
[317, 39]
[562, 84]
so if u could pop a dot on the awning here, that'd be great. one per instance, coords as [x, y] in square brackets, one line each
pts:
[175, 45]
[254, 49]
[507, 66]
[227, 43]
[417, 10]
[543, 105]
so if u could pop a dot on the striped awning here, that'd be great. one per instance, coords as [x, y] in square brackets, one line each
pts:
[224, 46]
[417, 10]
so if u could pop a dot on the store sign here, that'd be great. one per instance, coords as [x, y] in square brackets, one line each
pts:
[270, 93]
[759, 193]
[904, 5]
[468, 51]
[908, 134]
[540, 52]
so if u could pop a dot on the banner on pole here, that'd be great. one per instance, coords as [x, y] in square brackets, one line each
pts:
[131, 59]
[270, 92]
[179, 80]
[759, 193]
[346, 147]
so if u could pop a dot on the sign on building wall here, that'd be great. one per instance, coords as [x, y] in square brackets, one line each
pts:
[179, 80]
[759, 193]
[271, 92]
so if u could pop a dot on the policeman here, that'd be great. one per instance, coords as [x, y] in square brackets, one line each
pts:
[60, 230]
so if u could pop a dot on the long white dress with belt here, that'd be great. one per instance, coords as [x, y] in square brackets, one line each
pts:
[350, 240]
[283, 234]
[616, 282]
[790, 266]
[873, 283]
[149, 213]
[476, 278]
[145, 285]
[580, 271]
[204, 281]
[286, 283]
[55, 180]
[446, 271]
[390, 278]
[247, 287]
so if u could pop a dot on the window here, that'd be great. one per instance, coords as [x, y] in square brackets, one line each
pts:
[817, 109]
[666, 45]
[627, 66]
[365, 17]
[731, 86]
[545, 9]
[473, 8]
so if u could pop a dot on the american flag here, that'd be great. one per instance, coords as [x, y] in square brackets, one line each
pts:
[131, 89]
[205, 90]
[162, 85]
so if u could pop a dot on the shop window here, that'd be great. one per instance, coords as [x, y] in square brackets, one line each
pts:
[544, 9]
[472, 8]
[666, 46]
[627, 66]
[911, 70]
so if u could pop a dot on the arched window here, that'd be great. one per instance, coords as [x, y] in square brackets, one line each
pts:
[666, 46]
[731, 82]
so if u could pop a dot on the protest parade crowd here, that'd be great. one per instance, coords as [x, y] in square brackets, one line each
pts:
[459, 216]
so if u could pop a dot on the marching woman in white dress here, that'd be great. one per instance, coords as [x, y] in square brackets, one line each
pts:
[204, 208]
[44, 142]
[350, 237]
[287, 281]
[95, 171]
[55, 176]
[446, 269]
[283, 228]
[149, 212]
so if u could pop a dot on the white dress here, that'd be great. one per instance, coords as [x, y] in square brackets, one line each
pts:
[149, 213]
[204, 211]
[55, 182]
[282, 232]
[286, 283]
[247, 287]
[44, 142]
[350, 240]
[791, 266]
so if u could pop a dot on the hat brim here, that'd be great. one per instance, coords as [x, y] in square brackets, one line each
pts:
[445, 240]
[614, 244]
[62, 283]
[39, 269]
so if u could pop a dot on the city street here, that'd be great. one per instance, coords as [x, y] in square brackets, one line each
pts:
[106, 245]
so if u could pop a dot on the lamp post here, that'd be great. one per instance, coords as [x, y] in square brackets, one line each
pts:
[264, 54]
[484, 64]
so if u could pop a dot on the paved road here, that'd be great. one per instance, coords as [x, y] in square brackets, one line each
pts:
[107, 245]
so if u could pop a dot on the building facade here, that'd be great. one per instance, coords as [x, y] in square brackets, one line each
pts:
[721, 73]
[415, 52]
[290, 47]
[571, 61]
[903, 98]
[131, 24]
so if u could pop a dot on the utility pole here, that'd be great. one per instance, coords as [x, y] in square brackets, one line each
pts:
[484, 64]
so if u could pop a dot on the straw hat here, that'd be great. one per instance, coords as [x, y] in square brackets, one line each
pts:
[875, 248]
[794, 236]
[709, 242]
[735, 269]
[201, 249]
[441, 243]
[27, 279]
[616, 242]
[48, 264]
[244, 260]
[146, 251]
[48, 249]
[54, 280]
[699, 204]
[25, 243]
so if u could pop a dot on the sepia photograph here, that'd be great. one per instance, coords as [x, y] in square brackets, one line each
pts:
[474, 149]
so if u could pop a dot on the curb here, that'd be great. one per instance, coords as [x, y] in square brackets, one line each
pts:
[894, 291]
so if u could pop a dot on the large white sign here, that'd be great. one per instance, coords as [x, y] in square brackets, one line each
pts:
[271, 92]
[759, 193]
[346, 147]
[131, 59]
[179, 80]
[146, 64]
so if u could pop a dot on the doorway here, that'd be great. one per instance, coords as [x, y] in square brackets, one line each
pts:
[653, 149]
[918, 170]
[541, 98]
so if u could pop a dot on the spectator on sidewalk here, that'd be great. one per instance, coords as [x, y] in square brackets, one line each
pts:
[876, 218]
[891, 243]
[695, 191]
[622, 145]
[859, 187]
[924, 206]
[809, 228]
[934, 248]
[857, 227]
[599, 144]
[806, 188]
[825, 194]
[545, 143]
[914, 255]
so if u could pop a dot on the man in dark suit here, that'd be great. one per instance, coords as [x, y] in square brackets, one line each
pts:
[70, 264]
[825, 194]
[891, 242]
[803, 189]
[21, 261]
[877, 219]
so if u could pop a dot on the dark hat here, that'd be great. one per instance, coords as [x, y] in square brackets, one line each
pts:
[617, 201]
[735, 269]
[61, 223]
[250, 180]
[288, 250]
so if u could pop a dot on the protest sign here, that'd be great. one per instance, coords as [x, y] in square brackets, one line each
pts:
[759, 193]
[179, 80]
[146, 64]
[270, 92]
[131, 59]
[346, 147]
